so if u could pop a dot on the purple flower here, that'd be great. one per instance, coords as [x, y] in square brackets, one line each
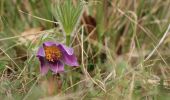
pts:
[53, 56]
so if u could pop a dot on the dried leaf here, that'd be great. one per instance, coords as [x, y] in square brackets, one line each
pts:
[29, 34]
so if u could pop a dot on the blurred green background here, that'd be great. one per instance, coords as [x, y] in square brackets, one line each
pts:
[113, 40]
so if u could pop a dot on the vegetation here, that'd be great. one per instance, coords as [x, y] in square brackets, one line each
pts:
[122, 47]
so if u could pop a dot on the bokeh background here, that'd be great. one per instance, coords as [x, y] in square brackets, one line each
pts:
[123, 48]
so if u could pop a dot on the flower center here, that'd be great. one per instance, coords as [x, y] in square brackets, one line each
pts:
[52, 53]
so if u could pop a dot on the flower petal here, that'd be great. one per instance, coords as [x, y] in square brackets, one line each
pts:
[40, 52]
[66, 49]
[50, 43]
[44, 66]
[70, 60]
[57, 66]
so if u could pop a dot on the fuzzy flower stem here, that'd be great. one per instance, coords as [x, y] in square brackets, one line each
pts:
[68, 40]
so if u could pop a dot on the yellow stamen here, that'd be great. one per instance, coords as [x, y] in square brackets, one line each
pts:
[52, 53]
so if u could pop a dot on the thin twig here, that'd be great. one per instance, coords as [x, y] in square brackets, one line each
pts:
[39, 17]
[160, 42]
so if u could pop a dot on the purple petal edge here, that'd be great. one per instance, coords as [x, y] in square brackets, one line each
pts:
[40, 52]
[44, 66]
[70, 60]
[68, 50]
[49, 43]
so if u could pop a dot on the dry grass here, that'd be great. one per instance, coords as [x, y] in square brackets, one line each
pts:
[122, 47]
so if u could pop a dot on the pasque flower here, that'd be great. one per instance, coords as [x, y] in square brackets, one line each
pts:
[53, 56]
